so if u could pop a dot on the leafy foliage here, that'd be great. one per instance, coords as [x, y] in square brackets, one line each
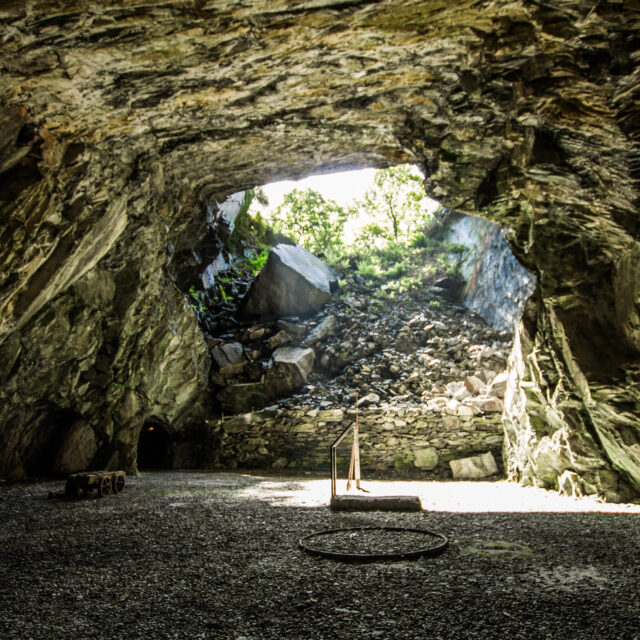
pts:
[255, 263]
[397, 242]
[223, 294]
[198, 305]
[396, 205]
[311, 220]
[250, 239]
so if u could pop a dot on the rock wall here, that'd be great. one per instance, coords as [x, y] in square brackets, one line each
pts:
[122, 123]
[557, 424]
[221, 219]
[392, 438]
[497, 286]
[115, 348]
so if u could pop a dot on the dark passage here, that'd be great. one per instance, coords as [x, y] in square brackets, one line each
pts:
[154, 447]
[47, 438]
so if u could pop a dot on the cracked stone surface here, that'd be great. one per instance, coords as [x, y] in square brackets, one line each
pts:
[122, 124]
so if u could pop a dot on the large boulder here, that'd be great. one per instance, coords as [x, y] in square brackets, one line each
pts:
[487, 404]
[326, 328]
[474, 385]
[228, 361]
[426, 459]
[288, 370]
[474, 467]
[227, 356]
[498, 385]
[293, 282]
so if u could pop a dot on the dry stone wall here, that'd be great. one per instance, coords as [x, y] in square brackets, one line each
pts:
[392, 438]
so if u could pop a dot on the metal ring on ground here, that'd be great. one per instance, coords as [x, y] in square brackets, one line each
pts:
[368, 557]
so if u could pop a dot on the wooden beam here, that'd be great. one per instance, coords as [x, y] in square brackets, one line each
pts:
[376, 503]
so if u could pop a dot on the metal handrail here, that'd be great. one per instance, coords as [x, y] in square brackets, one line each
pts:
[334, 461]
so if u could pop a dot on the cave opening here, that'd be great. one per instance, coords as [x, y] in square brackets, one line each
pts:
[154, 447]
[423, 307]
[46, 453]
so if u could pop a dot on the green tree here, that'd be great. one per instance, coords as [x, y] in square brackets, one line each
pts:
[311, 220]
[396, 202]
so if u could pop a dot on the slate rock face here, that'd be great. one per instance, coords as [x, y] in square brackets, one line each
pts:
[77, 449]
[227, 355]
[496, 286]
[293, 282]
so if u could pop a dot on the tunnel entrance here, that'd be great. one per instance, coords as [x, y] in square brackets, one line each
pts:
[154, 447]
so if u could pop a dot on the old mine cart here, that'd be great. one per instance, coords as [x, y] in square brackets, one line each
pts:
[104, 482]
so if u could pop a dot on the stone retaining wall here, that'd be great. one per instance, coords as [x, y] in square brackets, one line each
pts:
[399, 439]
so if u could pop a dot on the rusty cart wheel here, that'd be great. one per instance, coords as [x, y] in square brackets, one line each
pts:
[104, 486]
[117, 483]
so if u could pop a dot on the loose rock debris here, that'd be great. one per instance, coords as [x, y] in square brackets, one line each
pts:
[198, 555]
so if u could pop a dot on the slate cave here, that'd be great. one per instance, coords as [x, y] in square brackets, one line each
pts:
[122, 124]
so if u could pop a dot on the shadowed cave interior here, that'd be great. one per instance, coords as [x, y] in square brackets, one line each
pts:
[513, 113]
[154, 447]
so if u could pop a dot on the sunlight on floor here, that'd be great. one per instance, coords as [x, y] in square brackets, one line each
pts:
[464, 497]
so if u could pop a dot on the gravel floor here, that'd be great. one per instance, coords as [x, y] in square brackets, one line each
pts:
[195, 555]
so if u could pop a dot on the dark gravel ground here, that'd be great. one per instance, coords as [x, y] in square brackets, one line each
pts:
[186, 555]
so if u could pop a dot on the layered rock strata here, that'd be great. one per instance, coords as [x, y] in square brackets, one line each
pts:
[122, 123]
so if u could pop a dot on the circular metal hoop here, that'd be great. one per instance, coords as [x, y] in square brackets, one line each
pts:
[433, 550]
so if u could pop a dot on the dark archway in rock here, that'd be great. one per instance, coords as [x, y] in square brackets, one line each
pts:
[154, 447]
[46, 439]
[122, 124]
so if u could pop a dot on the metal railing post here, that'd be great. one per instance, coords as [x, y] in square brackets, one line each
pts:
[334, 459]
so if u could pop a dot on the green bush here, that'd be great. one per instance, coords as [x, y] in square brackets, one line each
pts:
[368, 268]
[312, 221]
[396, 270]
[337, 257]
[255, 263]
[394, 252]
[197, 305]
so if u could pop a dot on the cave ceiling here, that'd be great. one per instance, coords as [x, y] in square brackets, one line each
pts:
[122, 121]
